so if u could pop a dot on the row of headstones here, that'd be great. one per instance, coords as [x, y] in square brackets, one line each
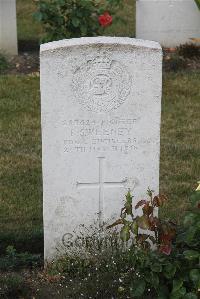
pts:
[169, 22]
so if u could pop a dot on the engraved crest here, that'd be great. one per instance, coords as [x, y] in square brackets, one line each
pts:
[102, 84]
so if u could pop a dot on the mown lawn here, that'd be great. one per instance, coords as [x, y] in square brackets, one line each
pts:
[20, 159]
[20, 154]
[180, 140]
[27, 27]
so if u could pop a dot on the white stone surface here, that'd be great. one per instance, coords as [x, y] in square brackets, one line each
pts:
[101, 105]
[169, 22]
[8, 27]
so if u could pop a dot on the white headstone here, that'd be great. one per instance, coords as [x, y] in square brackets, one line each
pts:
[169, 22]
[8, 27]
[101, 106]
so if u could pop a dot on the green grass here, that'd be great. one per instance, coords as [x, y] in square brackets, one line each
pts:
[127, 28]
[27, 27]
[20, 155]
[20, 158]
[180, 139]
[3, 64]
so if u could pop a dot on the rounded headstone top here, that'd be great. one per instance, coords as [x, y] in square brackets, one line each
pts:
[101, 40]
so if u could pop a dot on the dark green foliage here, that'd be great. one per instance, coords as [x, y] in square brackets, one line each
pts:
[32, 241]
[132, 273]
[198, 3]
[12, 286]
[189, 236]
[160, 232]
[3, 64]
[13, 260]
[73, 18]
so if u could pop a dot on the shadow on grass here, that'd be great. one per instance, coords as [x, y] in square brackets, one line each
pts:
[31, 242]
[28, 45]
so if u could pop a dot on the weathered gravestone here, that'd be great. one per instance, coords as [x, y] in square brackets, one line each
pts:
[101, 103]
[8, 27]
[169, 22]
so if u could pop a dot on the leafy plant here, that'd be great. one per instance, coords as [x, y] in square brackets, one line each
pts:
[75, 18]
[196, 40]
[197, 3]
[14, 260]
[191, 224]
[146, 229]
[12, 286]
[3, 64]
[172, 271]
[176, 274]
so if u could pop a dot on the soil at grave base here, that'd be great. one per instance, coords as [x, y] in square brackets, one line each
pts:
[27, 62]
[36, 285]
[172, 61]
[24, 63]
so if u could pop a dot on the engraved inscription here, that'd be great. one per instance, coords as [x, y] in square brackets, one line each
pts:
[102, 84]
[92, 135]
[67, 239]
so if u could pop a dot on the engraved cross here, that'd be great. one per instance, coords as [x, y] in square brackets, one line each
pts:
[100, 185]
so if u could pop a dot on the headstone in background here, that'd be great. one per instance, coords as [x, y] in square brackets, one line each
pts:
[8, 27]
[101, 107]
[169, 22]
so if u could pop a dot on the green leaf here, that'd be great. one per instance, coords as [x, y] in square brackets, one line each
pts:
[190, 234]
[138, 288]
[169, 271]
[134, 227]
[198, 3]
[195, 275]
[83, 29]
[152, 278]
[190, 296]
[155, 280]
[177, 284]
[128, 203]
[61, 2]
[163, 292]
[189, 219]
[191, 254]
[38, 16]
[182, 292]
[180, 238]
[178, 294]
[75, 22]
[195, 196]
[156, 267]
[125, 233]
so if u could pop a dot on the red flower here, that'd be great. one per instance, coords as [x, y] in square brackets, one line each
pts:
[165, 248]
[105, 19]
